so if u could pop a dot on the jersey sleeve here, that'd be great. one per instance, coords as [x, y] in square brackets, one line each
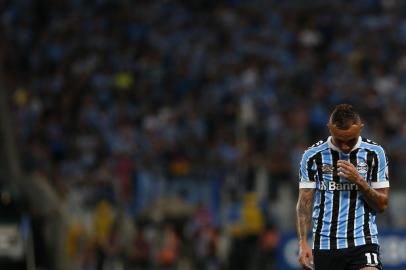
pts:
[307, 172]
[380, 171]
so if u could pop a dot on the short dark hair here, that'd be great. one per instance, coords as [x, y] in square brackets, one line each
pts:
[344, 115]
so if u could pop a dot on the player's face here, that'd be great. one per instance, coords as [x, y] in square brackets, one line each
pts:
[345, 139]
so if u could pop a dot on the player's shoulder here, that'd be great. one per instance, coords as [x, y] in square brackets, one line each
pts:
[315, 148]
[369, 141]
[319, 145]
[372, 145]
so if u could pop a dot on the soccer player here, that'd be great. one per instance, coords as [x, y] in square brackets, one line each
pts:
[343, 184]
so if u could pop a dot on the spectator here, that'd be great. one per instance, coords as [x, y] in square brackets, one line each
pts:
[131, 101]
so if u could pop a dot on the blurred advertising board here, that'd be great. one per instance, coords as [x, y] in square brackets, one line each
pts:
[392, 242]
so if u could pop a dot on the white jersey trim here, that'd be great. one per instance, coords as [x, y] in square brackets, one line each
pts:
[380, 184]
[307, 184]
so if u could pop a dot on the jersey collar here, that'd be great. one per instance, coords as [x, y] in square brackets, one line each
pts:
[335, 148]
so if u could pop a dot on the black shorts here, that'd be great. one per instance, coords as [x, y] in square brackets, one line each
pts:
[353, 258]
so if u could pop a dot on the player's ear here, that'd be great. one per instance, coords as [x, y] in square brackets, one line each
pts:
[329, 125]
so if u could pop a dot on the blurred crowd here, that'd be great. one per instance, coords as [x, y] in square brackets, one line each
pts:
[148, 116]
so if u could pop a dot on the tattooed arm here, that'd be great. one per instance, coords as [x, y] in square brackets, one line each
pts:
[377, 199]
[304, 209]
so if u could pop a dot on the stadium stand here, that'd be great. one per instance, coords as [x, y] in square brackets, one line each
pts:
[172, 130]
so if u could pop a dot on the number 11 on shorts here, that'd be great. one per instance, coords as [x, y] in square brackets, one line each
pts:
[372, 257]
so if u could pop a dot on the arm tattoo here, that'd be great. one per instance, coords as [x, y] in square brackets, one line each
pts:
[304, 212]
[377, 199]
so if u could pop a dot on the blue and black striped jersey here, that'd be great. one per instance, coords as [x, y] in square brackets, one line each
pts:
[341, 218]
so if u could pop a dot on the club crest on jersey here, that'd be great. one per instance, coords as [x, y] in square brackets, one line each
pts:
[327, 168]
[362, 167]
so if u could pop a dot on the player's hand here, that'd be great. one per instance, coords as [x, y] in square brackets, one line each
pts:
[348, 171]
[305, 256]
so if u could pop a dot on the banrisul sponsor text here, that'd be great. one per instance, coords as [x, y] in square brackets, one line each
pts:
[331, 185]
